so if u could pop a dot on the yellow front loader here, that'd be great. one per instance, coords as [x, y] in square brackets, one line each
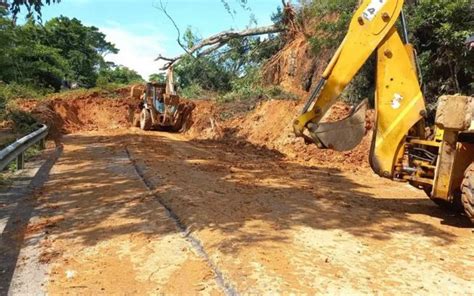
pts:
[440, 163]
[160, 107]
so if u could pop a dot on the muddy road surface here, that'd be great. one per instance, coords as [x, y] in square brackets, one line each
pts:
[129, 212]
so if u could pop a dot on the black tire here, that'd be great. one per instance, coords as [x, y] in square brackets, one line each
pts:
[145, 120]
[468, 192]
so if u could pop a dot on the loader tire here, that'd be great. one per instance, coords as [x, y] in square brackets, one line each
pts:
[468, 192]
[145, 120]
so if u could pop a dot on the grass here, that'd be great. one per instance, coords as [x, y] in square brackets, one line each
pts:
[6, 177]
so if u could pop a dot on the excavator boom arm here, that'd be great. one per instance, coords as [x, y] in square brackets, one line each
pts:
[399, 102]
[369, 26]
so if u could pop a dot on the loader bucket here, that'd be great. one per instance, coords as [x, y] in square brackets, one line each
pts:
[342, 135]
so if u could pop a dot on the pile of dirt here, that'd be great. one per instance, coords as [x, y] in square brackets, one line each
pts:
[266, 124]
[86, 112]
[269, 125]
[93, 113]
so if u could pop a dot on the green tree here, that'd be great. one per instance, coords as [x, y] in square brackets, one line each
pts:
[204, 71]
[46, 56]
[24, 60]
[32, 6]
[7, 43]
[216, 72]
[118, 74]
[84, 47]
[157, 77]
[438, 30]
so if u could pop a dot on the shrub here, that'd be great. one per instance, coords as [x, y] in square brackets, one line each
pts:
[193, 91]
[10, 92]
[23, 121]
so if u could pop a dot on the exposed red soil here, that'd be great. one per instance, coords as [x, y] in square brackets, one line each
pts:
[266, 124]
[269, 125]
[73, 112]
[294, 67]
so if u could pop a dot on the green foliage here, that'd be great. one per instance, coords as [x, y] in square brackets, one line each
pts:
[221, 71]
[9, 92]
[117, 75]
[334, 17]
[26, 61]
[63, 50]
[157, 77]
[438, 30]
[83, 47]
[363, 85]
[23, 121]
[250, 87]
[240, 54]
[32, 6]
[205, 72]
[194, 91]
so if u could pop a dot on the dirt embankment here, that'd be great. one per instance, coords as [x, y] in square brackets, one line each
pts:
[268, 124]
[295, 67]
[72, 113]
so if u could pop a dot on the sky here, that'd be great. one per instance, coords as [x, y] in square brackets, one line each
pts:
[141, 32]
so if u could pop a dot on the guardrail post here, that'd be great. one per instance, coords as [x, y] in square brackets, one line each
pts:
[20, 162]
[16, 150]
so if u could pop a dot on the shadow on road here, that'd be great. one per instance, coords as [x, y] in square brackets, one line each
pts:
[226, 188]
[13, 235]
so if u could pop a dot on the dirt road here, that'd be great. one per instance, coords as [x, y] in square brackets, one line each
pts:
[129, 212]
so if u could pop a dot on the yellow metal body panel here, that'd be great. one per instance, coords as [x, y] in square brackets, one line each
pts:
[399, 102]
[464, 158]
[444, 167]
[439, 134]
[454, 158]
[364, 36]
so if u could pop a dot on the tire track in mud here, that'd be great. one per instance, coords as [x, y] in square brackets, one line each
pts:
[195, 243]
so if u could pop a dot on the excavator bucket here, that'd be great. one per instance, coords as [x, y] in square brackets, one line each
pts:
[342, 135]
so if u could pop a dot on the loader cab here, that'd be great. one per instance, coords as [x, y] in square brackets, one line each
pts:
[154, 94]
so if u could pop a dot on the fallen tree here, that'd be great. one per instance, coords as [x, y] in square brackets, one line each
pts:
[210, 44]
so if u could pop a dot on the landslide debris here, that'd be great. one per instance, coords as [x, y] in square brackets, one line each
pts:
[265, 124]
[86, 112]
[269, 125]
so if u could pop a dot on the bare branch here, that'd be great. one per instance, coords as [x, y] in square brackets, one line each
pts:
[162, 8]
[209, 45]
[211, 49]
[216, 41]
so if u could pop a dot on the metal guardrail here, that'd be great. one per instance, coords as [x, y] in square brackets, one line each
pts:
[16, 150]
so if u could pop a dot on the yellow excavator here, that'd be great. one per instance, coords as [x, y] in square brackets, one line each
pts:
[440, 162]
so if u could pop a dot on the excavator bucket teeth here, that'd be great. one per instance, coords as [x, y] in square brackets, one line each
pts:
[342, 135]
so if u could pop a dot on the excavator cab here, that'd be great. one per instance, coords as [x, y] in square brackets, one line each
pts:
[443, 166]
